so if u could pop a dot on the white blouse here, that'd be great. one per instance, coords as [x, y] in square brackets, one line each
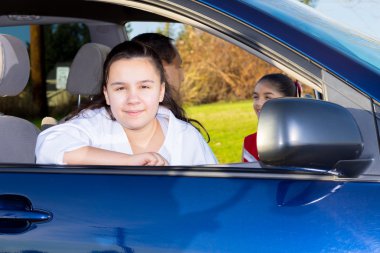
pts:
[183, 144]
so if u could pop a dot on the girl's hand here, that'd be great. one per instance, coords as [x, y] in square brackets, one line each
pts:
[148, 159]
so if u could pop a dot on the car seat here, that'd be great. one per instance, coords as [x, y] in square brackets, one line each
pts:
[17, 136]
[86, 71]
[85, 76]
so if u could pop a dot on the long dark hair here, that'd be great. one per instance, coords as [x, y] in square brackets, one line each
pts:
[130, 50]
[283, 84]
[160, 43]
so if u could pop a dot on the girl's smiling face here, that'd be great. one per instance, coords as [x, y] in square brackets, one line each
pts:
[264, 91]
[133, 92]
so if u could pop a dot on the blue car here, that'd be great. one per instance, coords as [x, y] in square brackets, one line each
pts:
[315, 189]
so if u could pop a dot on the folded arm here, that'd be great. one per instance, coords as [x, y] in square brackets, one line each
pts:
[98, 156]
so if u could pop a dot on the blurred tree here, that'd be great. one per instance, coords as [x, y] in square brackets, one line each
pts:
[216, 70]
[37, 70]
[166, 30]
[63, 42]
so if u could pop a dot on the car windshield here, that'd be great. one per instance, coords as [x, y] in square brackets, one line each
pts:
[309, 21]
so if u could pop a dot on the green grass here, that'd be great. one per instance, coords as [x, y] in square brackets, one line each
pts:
[227, 123]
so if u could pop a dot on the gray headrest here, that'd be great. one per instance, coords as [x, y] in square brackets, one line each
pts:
[85, 76]
[14, 65]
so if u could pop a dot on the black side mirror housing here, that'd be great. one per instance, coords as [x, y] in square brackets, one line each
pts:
[307, 133]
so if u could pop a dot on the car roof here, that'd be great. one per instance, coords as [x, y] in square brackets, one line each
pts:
[92, 10]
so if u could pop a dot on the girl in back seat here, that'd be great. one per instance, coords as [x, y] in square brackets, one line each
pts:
[268, 87]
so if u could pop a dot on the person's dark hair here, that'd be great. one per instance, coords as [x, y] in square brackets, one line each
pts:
[282, 84]
[162, 44]
[130, 50]
[165, 49]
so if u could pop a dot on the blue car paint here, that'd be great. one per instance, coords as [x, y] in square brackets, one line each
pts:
[351, 57]
[126, 213]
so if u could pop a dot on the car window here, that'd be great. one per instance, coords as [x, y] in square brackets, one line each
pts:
[216, 91]
[218, 88]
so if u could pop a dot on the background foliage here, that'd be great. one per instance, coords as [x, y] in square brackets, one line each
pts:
[216, 70]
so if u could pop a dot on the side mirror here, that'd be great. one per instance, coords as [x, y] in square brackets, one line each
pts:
[307, 133]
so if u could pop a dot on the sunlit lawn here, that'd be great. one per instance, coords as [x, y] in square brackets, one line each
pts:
[228, 124]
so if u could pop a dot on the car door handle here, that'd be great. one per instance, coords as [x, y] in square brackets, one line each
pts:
[31, 216]
[17, 214]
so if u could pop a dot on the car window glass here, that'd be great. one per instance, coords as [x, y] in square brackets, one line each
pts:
[217, 88]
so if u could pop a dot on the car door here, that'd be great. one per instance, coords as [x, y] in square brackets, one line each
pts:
[135, 210]
[220, 208]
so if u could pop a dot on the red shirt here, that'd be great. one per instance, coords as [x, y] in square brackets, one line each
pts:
[250, 153]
